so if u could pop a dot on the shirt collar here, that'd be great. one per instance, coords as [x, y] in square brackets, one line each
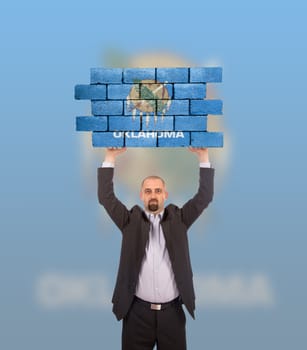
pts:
[148, 214]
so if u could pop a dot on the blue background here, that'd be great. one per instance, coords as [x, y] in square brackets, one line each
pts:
[50, 219]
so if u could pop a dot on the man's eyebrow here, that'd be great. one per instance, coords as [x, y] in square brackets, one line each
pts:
[155, 188]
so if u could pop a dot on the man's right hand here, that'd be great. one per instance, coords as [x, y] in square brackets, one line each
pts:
[112, 152]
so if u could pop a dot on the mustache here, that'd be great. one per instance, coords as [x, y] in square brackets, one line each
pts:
[153, 200]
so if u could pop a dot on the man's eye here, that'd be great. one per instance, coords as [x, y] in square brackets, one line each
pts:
[158, 190]
[147, 191]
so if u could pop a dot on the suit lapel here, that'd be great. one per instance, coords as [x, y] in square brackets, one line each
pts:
[166, 227]
[144, 234]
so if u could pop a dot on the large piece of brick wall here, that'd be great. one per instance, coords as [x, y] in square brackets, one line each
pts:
[150, 107]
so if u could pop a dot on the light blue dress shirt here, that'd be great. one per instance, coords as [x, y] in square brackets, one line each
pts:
[156, 282]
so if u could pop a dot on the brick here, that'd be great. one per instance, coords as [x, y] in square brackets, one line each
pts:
[107, 107]
[170, 90]
[190, 123]
[132, 139]
[206, 139]
[131, 75]
[201, 107]
[107, 139]
[91, 123]
[189, 91]
[178, 107]
[120, 91]
[140, 106]
[160, 124]
[174, 139]
[106, 75]
[205, 74]
[90, 92]
[124, 123]
[173, 75]
[155, 91]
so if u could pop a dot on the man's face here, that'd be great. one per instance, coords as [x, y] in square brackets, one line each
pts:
[153, 195]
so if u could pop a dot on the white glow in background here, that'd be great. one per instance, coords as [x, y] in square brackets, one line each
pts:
[59, 290]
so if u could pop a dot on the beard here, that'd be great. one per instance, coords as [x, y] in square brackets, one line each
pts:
[153, 205]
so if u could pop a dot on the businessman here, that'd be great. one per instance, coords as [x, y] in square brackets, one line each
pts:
[155, 274]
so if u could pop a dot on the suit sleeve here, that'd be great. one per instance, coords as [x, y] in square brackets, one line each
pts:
[195, 206]
[114, 207]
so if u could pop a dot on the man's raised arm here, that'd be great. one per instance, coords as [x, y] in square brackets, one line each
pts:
[194, 207]
[114, 207]
[110, 156]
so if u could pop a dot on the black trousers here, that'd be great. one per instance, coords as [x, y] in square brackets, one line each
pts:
[144, 328]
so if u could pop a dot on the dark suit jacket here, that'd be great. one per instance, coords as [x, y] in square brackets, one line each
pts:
[134, 226]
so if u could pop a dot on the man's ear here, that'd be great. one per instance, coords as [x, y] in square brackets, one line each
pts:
[166, 194]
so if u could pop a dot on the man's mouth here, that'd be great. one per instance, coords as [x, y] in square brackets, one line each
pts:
[153, 205]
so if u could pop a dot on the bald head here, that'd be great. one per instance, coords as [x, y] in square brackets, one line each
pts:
[153, 177]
